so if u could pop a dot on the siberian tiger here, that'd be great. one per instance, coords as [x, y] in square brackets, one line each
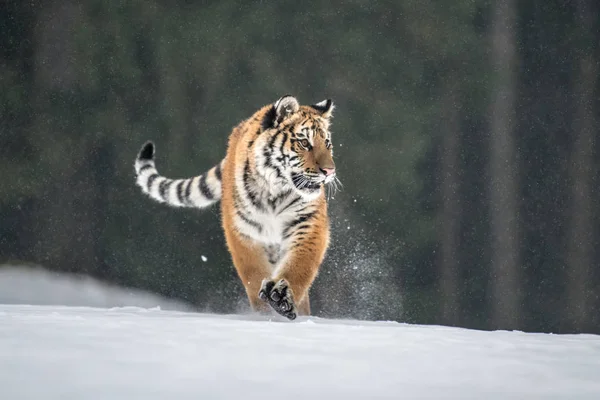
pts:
[273, 206]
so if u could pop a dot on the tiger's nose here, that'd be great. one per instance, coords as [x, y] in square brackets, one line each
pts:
[328, 171]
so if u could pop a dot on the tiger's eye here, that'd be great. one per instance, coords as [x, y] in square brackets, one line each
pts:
[305, 143]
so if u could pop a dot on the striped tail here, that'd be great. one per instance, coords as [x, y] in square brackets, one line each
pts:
[200, 191]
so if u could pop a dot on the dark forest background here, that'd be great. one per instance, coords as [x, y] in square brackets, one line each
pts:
[465, 137]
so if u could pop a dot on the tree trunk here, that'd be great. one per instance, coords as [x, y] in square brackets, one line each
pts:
[581, 239]
[505, 286]
[55, 45]
[449, 217]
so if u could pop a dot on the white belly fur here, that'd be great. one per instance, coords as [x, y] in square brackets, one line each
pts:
[271, 236]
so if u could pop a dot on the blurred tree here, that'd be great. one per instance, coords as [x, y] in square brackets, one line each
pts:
[20, 186]
[450, 209]
[505, 286]
[581, 239]
[545, 112]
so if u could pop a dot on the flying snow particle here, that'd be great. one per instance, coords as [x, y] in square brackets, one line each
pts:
[203, 258]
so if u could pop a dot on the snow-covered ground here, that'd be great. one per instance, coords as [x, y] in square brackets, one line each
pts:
[36, 285]
[54, 352]
[93, 348]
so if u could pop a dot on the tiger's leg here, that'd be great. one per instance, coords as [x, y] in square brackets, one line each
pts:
[288, 287]
[252, 267]
[304, 306]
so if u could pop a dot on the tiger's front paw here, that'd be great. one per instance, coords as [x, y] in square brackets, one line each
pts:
[279, 296]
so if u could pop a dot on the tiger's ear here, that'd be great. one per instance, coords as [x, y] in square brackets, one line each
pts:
[284, 107]
[325, 108]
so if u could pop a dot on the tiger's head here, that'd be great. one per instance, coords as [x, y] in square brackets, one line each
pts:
[298, 146]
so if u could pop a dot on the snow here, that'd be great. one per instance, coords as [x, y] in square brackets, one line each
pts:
[148, 352]
[35, 285]
[56, 352]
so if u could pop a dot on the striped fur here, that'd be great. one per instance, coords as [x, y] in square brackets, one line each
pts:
[200, 191]
[271, 184]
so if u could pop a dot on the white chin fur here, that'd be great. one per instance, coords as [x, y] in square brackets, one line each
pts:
[306, 194]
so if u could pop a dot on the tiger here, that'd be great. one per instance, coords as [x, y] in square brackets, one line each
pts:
[272, 188]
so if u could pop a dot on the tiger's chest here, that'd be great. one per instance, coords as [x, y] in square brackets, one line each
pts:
[270, 228]
[269, 219]
[269, 224]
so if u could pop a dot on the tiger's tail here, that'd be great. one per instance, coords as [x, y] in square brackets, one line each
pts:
[199, 191]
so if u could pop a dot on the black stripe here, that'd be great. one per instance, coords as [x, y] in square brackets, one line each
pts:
[303, 243]
[249, 192]
[283, 141]
[268, 153]
[237, 201]
[291, 203]
[204, 189]
[283, 157]
[180, 195]
[271, 142]
[145, 167]
[269, 163]
[249, 221]
[302, 218]
[151, 180]
[268, 119]
[164, 187]
[274, 202]
[188, 190]
[218, 171]
[303, 226]
[294, 161]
